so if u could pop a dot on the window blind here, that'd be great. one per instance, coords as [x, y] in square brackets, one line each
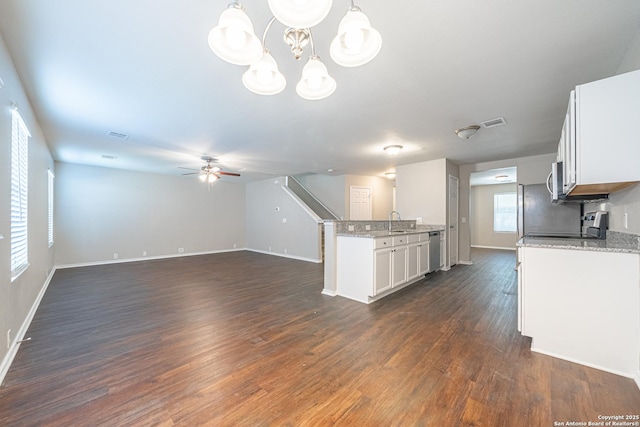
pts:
[19, 194]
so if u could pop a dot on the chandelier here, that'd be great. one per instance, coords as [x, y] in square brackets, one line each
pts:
[234, 41]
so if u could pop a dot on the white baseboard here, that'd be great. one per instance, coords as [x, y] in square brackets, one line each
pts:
[329, 292]
[19, 336]
[299, 258]
[146, 258]
[465, 262]
[636, 378]
[493, 247]
[633, 375]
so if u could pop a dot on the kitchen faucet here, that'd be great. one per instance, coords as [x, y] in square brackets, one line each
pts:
[391, 217]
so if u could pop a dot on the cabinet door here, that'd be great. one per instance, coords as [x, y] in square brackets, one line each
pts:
[423, 258]
[442, 247]
[569, 146]
[399, 265]
[413, 261]
[381, 270]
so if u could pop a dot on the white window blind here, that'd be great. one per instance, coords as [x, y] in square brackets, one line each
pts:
[19, 194]
[50, 177]
[505, 213]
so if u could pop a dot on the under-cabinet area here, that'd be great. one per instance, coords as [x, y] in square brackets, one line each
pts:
[373, 265]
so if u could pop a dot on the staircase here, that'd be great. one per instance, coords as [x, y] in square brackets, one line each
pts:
[309, 199]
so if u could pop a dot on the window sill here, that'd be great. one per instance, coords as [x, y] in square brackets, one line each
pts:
[16, 273]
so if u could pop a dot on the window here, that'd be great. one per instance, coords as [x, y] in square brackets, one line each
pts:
[50, 177]
[19, 188]
[505, 212]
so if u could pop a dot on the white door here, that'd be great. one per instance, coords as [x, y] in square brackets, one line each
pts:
[453, 220]
[359, 203]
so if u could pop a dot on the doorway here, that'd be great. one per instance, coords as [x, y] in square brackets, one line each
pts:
[453, 220]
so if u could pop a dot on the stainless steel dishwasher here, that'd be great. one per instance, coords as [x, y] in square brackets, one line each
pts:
[434, 251]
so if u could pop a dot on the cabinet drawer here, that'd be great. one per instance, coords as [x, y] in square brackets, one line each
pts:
[400, 240]
[384, 242]
[412, 238]
[424, 237]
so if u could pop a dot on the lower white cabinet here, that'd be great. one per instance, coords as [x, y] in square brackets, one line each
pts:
[370, 268]
[582, 306]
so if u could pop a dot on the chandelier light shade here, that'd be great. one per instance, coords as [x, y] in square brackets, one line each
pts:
[263, 77]
[357, 42]
[316, 83]
[300, 13]
[233, 38]
[234, 41]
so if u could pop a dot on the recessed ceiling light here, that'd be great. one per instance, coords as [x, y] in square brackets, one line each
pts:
[329, 170]
[392, 150]
[502, 178]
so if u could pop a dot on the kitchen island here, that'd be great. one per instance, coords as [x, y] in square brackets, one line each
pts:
[371, 264]
[579, 300]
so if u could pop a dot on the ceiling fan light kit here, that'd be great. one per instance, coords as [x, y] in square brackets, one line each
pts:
[234, 41]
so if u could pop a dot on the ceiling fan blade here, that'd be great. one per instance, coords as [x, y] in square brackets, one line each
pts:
[192, 173]
[190, 169]
[227, 173]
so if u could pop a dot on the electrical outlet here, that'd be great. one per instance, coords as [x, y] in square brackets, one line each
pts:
[284, 220]
[180, 250]
[269, 248]
[351, 228]
[9, 338]
[367, 227]
[234, 246]
[115, 256]
[144, 253]
[285, 250]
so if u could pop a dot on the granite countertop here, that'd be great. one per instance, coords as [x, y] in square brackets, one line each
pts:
[615, 242]
[372, 234]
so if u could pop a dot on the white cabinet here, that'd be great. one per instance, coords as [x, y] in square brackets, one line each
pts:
[413, 256]
[382, 270]
[586, 310]
[423, 254]
[443, 254]
[370, 268]
[599, 153]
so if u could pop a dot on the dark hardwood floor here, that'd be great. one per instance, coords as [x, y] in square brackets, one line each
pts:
[247, 339]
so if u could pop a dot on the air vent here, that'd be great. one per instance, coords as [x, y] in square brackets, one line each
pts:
[117, 135]
[493, 123]
[109, 157]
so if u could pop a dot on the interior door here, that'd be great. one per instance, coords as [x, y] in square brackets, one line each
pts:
[359, 203]
[453, 220]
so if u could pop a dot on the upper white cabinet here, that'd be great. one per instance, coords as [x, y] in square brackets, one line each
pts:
[599, 151]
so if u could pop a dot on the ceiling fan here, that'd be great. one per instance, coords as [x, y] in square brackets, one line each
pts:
[209, 173]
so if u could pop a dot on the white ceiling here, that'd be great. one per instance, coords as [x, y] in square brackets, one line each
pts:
[143, 68]
[494, 176]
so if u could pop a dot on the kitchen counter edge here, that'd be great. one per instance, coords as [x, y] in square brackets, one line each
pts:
[615, 242]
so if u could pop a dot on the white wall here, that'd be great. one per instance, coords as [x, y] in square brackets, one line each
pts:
[381, 194]
[102, 211]
[17, 298]
[267, 205]
[334, 192]
[481, 217]
[421, 191]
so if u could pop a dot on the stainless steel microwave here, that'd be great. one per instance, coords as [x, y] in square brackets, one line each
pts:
[555, 186]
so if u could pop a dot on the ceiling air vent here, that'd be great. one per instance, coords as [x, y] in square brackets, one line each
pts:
[109, 157]
[493, 123]
[117, 135]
